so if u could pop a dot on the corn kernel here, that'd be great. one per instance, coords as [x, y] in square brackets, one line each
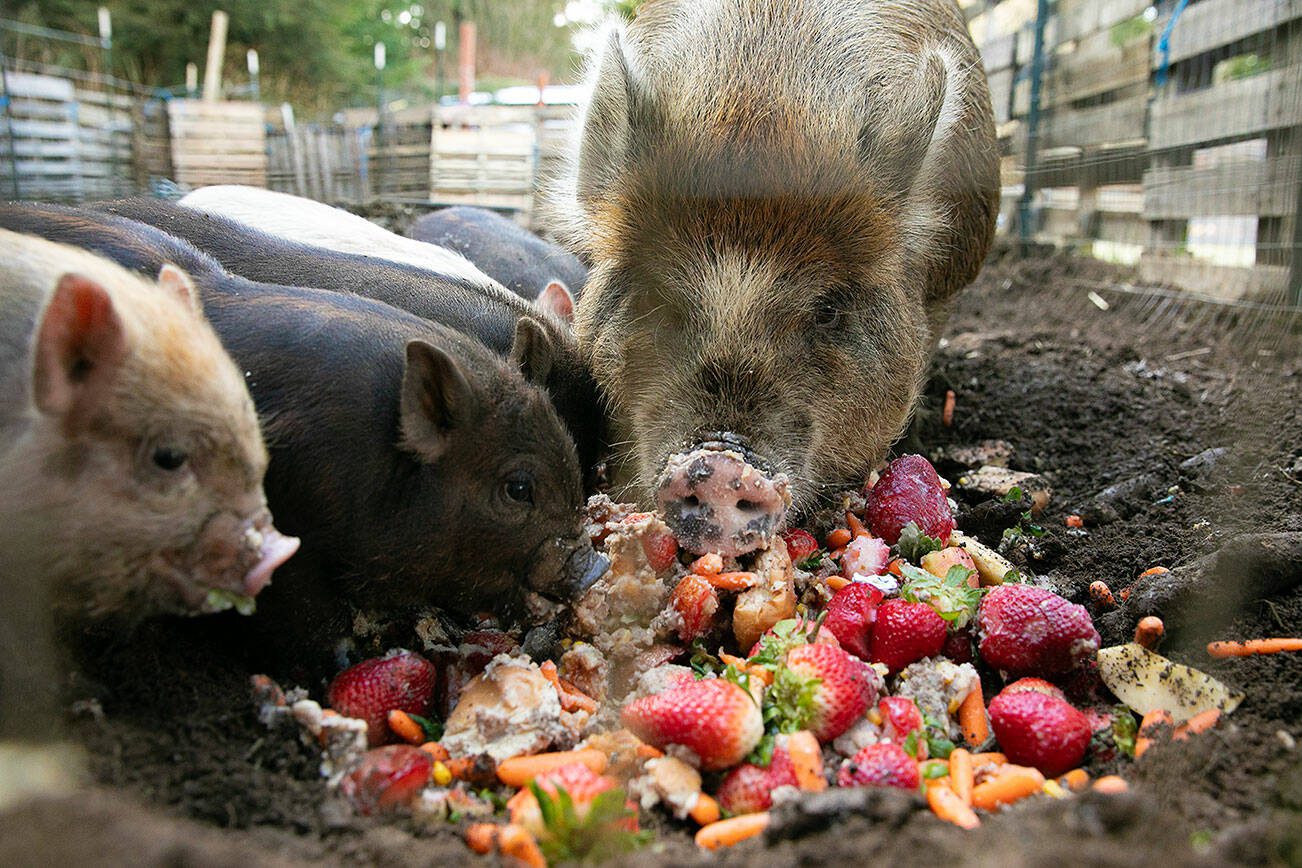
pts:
[442, 775]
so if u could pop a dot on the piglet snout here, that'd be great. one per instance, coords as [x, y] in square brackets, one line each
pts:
[715, 500]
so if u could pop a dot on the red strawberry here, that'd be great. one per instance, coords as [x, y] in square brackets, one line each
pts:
[1033, 631]
[884, 764]
[787, 634]
[958, 646]
[909, 490]
[581, 783]
[847, 686]
[714, 718]
[1039, 685]
[748, 789]
[371, 689]
[865, 556]
[905, 633]
[1036, 729]
[851, 614]
[661, 550]
[800, 544]
[387, 777]
[696, 601]
[900, 716]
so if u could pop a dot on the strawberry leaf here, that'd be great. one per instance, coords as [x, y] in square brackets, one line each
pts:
[762, 755]
[775, 644]
[432, 728]
[607, 828]
[704, 663]
[813, 563]
[911, 743]
[790, 702]
[913, 543]
[951, 597]
[1124, 730]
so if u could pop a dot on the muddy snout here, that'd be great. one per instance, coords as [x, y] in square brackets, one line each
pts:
[565, 569]
[232, 561]
[715, 499]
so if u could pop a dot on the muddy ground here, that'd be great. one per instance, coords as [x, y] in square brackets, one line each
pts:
[185, 775]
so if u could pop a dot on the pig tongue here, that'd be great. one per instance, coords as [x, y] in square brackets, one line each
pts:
[276, 549]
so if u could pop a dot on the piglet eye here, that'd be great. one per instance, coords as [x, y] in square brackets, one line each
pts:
[169, 457]
[829, 316]
[520, 489]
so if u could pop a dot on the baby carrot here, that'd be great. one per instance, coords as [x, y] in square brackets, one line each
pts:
[1111, 784]
[960, 774]
[708, 565]
[1075, 780]
[947, 412]
[519, 771]
[855, 525]
[1016, 783]
[1101, 594]
[1200, 722]
[1074, 520]
[989, 758]
[1153, 719]
[1149, 631]
[1253, 646]
[949, 806]
[725, 833]
[1154, 571]
[648, 751]
[517, 842]
[705, 811]
[972, 718]
[737, 581]
[807, 758]
[401, 724]
[839, 538]
[482, 837]
[836, 583]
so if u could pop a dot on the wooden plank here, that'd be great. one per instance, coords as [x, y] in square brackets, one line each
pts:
[998, 52]
[250, 112]
[1077, 18]
[43, 129]
[1109, 124]
[1218, 281]
[1001, 94]
[1230, 109]
[32, 86]
[1095, 65]
[1266, 188]
[1213, 23]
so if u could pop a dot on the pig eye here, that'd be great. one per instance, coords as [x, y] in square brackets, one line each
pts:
[520, 489]
[829, 316]
[169, 457]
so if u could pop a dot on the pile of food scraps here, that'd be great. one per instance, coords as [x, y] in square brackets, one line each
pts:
[714, 688]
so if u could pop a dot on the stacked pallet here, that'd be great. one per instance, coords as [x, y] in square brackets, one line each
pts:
[59, 142]
[484, 156]
[1225, 150]
[217, 143]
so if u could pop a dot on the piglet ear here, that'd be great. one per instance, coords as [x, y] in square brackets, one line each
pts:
[179, 284]
[80, 347]
[436, 398]
[556, 299]
[532, 351]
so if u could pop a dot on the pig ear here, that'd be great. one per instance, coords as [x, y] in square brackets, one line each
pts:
[532, 350]
[80, 346]
[608, 123]
[896, 143]
[436, 398]
[556, 299]
[177, 282]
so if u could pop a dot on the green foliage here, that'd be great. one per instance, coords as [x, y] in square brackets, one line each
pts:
[784, 636]
[789, 703]
[317, 54]
[601, 834]
[951, 597]
[1125, 32]
[914, 543]
[1124, 730]
[1240, 66]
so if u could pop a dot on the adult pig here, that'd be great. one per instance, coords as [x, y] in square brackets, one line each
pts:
[777, 202]
[131, 450]
[418, 467]
[501, 320]
[510, 254]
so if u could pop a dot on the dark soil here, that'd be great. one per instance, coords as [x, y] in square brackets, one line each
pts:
[1088, 398]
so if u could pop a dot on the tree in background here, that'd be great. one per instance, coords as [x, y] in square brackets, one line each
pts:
[316, 54]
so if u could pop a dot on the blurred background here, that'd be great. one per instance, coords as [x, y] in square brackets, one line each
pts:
[1164, 137]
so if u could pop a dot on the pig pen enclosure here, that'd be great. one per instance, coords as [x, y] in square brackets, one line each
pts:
[1134, 341]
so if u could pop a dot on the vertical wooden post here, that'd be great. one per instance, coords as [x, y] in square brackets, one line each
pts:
[212, 73]
[466, 61]
[295, 149]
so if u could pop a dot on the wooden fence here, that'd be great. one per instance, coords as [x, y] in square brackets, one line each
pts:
[1184, 161]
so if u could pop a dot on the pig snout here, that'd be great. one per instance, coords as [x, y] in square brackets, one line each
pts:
[715, 499]
[565, 569]
[233, 557]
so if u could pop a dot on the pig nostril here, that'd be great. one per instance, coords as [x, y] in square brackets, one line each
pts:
[691, 500]
[745, 505]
